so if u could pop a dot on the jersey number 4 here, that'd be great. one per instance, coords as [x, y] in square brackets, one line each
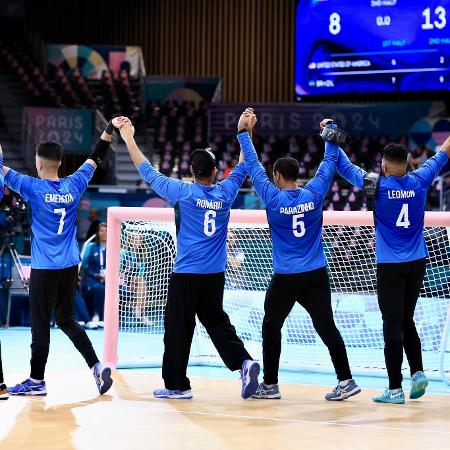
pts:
[61, 211]
[403, 217]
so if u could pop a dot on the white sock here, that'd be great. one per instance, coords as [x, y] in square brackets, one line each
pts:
[36, 381]
[395, 391]
[93, 368]
[344, 383]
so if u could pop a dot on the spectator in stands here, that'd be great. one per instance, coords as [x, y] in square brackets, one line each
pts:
[93, 266]
[235, 260]
[95, 222]
[419, 157]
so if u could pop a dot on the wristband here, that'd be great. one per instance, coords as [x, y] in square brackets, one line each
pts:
[110, 128]
[99, 152]
[336, 135]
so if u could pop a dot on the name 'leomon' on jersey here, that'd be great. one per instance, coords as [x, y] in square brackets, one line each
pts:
[204, 217]
[399, 208]
[54, 206]
[294, 216]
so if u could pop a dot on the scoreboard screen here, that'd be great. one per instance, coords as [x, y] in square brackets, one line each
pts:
[369, 46]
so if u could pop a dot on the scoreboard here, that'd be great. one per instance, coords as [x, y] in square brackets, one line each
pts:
[369, 46]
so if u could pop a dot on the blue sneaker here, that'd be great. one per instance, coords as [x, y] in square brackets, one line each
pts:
[266, 392]
[29, 387]
[102, 375]
[173, 394]
[395, 396]
[249, 376]
[419, 382]
[343, 392]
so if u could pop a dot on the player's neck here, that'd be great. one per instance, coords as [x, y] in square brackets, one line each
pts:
[288, 185]
[203, 182]
[49, 175]
[394, 172]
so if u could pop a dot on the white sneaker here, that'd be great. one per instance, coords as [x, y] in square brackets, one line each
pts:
[92, 325]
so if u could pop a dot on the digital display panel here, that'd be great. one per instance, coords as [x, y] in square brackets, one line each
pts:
[370, 46]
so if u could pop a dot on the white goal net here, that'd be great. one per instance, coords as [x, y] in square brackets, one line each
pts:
[147, 253]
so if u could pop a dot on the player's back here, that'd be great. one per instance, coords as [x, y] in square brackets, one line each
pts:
[295, 219]
[204, 213]
[399, 219]
[54, 206]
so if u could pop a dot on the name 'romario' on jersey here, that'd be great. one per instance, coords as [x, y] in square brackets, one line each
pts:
[399, 208]
[54, 206]
[294, 216]
[204, 217]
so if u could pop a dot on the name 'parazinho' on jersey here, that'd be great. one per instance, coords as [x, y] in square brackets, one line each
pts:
[303, 207]
[58, 198]
[401, 194]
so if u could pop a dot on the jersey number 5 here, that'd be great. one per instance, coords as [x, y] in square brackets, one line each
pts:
[298, 226]
[61, 211]
[403, 217]
[209, 224]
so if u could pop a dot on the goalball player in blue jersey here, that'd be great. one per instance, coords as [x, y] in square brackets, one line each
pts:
[55, 256]
[299, 265]
[3, 389]
[399, 200]
[197, 283]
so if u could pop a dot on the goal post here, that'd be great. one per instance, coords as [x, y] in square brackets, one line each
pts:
[140, 256]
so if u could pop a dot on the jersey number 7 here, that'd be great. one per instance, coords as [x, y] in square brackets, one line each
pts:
[61, 211]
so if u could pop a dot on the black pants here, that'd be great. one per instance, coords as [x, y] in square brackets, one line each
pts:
[1, 367]
[55, 290]
[312, 291]
[398, 287]
[191, 294]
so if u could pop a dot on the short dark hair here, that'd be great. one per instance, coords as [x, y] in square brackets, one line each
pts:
[287, 167]
[50, 150]
[396, 153]
[203, 162]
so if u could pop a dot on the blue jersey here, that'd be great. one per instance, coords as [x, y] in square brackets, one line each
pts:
[294, 216]
[204, 217]
[54, 206]
[399, 208]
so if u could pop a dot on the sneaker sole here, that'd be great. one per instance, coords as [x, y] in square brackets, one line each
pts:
[30, 394]
[107, 381]
[392, 402]
[419, 391]
[175, 397]
[355, 391]
[266, 397]
[251, 387]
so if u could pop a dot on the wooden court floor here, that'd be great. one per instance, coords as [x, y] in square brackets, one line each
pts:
[72, 416]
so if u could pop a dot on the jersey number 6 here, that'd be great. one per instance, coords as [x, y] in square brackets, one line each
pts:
[61, 211]
[298, 226]
[209, 224]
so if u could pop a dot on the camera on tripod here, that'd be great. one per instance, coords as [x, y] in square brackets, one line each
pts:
[13, 221]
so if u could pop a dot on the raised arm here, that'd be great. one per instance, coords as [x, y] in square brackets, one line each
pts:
[430, 169]
[167, 188]
[321, 182]
[349, 171]
[263, 186]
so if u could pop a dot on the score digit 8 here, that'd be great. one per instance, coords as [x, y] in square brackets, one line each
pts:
[335, 24]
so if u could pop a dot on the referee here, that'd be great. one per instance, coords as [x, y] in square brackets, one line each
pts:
[300, 275]
[197, 283]
[399, 208]
[55, 256]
